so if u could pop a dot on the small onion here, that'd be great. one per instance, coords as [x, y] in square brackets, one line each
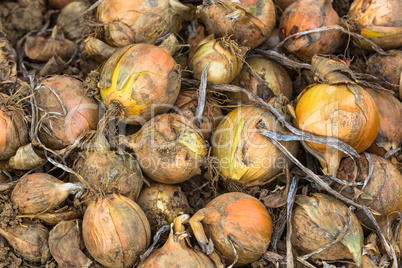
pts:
[297, 18]
[170, 149]
[115, 231]
[379, 21]
[318, 220]
[162, 203]
[387, 67]
[69, 20]
[242, 153]
[143, 78]
[234, 220]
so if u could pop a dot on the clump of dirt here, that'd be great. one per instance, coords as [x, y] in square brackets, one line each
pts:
[341, 7]
[8, 212]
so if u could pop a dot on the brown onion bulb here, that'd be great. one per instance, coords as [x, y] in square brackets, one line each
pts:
[30, 240]
[248, 22]
[379, 21]
[25, 158]
[387, 67]
[143, 78]
[242, 153]
[40, 192]
[70, 19]
[98, 49]
[162, 203]
[65, 243]
[297, 18]
[115, 231]
[77, 113]
[318, 220]
[234, 220]
[54, 217]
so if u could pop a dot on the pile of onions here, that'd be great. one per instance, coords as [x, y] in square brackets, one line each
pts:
[238, 225]
[388, 67]
[378, 21]
[66, 112]
[144, 79]
[115, 231]
[318, 220]
[297, 18]
[242, 153]
[170, 149]
[248, 22]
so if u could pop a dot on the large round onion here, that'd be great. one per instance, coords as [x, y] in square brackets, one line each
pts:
[242, 153]
[115, 231]
[234, 220]
[143, 78]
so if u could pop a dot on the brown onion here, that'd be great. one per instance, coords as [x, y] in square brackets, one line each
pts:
[73, 112]
[25, 158]
[41, 192]
[70, 19]
[162, 203]
[387, 67]
[234, 221]
[115, 231]
[98, 49]
[65, 243]
[297, 18]
[54, 217]
[170, 149]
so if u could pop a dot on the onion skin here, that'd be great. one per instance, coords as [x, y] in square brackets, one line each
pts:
[297, 18]
[379, 21]
[386, 67]
[235, 217]
[115, 231]
[248, 22]
[54, 217]
[143, 78]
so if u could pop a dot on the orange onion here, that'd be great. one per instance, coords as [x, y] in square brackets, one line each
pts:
[234, 222]
[115, 231]
[66, 112]
[379, 21]
[143, 78]
[297, 18]
[388, 67]
[248, 22]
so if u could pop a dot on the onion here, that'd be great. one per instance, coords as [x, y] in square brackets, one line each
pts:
[297, 18]
[170, 149]
[387, 67]
[379, 21]
[247, 22]
[143, 78]
[382, 191]
[97, 49]
[234, 221]
[162, 203]
[223, 57]
[115, 231]
[30, 240]
[75, 112]
[25, 158]
[40, 192]
[54, 217]
[65, 243]
[272, 77]
[343, 111]
[70, 19]
[242, 153]
[318, 220]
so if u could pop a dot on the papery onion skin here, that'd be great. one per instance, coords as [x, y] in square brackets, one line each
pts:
[379, 21]
[388, 67]
[115, 231]
[143, 78]
[297, 18]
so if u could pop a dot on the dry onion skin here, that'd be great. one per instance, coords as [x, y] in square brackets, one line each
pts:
[297, 18]
[115, 231]
[70, 19]
[379, 21]
[77, 112]
[248, 22]
[317, 221]
[234, 220]
[242, 153]
[388, 67]
[143, 78]
[343, 111]
[169, 148]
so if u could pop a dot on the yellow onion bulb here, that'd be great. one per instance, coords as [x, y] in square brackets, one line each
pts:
[223, 57]
[234, 220]
[169, 148]
[143, 78]
[115, 231]
[243, 154]
[297, 18]
[379, 21]
[249, 22]
[337, 111]
[387, 67]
